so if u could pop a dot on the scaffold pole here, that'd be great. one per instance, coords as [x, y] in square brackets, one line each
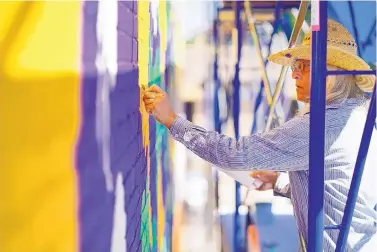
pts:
[317, 126]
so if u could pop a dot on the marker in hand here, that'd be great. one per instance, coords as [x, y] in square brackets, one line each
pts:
[266, 179]
[156, 103]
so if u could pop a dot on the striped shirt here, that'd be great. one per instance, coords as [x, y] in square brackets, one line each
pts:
[286, 149]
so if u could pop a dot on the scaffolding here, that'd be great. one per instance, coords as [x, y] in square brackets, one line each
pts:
[249, 12]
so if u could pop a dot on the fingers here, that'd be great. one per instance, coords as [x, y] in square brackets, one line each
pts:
[149, 108]
[149, 98]
[264, 176]
[150, 95]
[148, 101]
[155, 88]
[265, 187]
[255, 174]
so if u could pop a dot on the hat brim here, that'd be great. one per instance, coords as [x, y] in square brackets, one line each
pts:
[335, 56]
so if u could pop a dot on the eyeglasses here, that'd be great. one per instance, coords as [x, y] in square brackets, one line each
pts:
[300, 65]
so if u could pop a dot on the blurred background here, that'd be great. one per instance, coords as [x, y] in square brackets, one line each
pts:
[84, 168]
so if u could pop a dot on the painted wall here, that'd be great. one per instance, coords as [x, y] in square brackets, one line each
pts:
[82, 166]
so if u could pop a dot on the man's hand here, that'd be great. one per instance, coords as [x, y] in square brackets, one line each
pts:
[156, 103]
[267, 177]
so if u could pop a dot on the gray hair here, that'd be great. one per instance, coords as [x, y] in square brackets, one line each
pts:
[339, 88]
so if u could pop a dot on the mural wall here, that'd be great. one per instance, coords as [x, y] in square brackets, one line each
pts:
[82, 166]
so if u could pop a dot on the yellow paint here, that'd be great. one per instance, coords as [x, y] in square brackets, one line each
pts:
[143, 60]
[162, 15]
[39, 115]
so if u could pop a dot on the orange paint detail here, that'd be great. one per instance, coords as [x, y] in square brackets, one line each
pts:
[253, 239]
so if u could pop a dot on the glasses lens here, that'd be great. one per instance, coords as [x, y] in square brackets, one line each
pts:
[299, 65]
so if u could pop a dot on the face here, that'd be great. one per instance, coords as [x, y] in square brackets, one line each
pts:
[301, 73]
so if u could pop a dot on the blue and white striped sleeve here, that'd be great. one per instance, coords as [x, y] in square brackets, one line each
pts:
[285, 148]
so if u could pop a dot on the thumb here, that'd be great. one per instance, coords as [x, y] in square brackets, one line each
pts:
[262, 176]
[255, 175]
[155, 88]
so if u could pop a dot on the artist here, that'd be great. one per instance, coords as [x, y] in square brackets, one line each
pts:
[286, 148]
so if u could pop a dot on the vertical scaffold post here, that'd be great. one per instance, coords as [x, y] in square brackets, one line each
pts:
[216, 110]
[216, 105]
[317, 125]
[358, 173]
[236, 112]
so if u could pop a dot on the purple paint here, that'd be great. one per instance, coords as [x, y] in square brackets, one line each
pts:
[128, 154]
[96, 204]
[126, 143]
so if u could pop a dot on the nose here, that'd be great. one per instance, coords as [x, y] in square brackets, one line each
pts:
[296, 74]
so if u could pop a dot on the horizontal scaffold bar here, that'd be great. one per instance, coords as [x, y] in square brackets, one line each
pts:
[329, 227]
[265, 4]
[356, 72]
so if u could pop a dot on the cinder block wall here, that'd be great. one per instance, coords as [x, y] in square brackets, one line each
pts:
[83, 167]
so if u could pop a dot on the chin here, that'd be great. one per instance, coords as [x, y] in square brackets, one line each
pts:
[299, 97]
[302, 99]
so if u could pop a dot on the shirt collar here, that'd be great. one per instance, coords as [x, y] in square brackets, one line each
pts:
[336, 105]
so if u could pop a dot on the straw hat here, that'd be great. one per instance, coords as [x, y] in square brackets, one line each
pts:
[341, 52]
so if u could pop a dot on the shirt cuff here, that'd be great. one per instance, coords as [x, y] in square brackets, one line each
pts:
[179, 127]
[282, 186]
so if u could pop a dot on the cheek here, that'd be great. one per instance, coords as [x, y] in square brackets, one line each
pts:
[306, 80]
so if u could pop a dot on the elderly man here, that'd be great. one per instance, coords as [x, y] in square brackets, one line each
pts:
[286, 148]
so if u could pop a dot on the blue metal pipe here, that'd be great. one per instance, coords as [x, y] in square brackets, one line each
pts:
[236, 80]
[237, 238]
[216, 110]
[216, 105]
[357, 175]
[368, 40]
[317, 129]
[356, 72]
[330, 227]
[283, 7]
